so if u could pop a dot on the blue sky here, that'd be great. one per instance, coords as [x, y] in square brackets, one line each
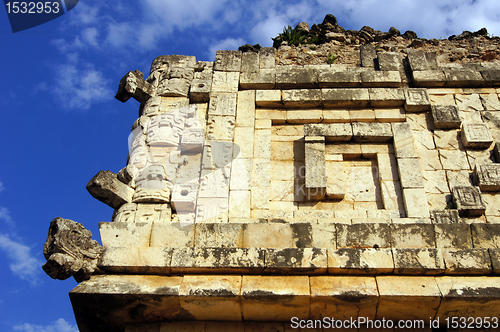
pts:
[61, 123]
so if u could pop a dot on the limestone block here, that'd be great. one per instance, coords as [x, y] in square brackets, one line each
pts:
[220, 128]
[199, 91]
[467, 261]
[268, 98]
[407, 297]
[363, 236]
[335, 116]
[417, 100]
[332, 131]
[225, 82]
[429, 160]
[429, 78]
[116, 234]
[217, 260]
[277, 236]
[126, 213]
[275, 298]
[211, 297]
[485, 235]
[368, 56]
[488, 177]
[362, 115]
[360, 261]
[403, 140]
[243, 143]
[462, 78]
[476, 135]
[343, 297]
[133, 260]
[301, 98]
[204, 70]
[293, 77]
[446, 117]
[192, 140]
[490, 101]
[390, 61]
[392, 196]
[468, 297]
[218, 235]
[304, 116]
[413, 236]
[454, 160]
[241, 174]
[264, 79]
[133, 85]
[409, 173]
[172, 235]
[261, 173]
[332, 78]
[259, 198]
[239, 204]
[351, 150]
[228, 61]
[345, 97]
[262, 144]
[383, 97]
[267, 58]
[153, 213]
[491, 77]
[387, 167]
[435, 182]
[249, 62]
[184, 197]
[371, 132]
[388, 115]
[106, 187]
[448, 140]
[324, 235]
[379, 79]
[416, 203]
[296, 261]
[468, 201]
[335, 180]
[439, 201]
[417, 60]
[495, 260]
[453, 236]
[445, 217]
[418, 261]
[315, 167]
[212, 209]
[287, 150]
[217, 155]
[222, 104]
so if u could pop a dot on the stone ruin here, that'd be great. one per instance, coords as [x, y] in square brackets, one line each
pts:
[257, 192]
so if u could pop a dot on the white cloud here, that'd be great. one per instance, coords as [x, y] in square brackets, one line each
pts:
[2, 187]
[226, 44]
[22, 263]
[5, 215]
[60, 325]
[79, 88]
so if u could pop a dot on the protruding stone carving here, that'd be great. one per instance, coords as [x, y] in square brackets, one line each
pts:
[468, 201]
[174, 74]
[445, 117]
[133, 85]
[417, 100]
[153, 212]
[315, 164]
[126, 213]
[476, 135]
[184, 197]
[445, 216]
[151, 185]
[106, 187]
[165, 129]
[488, 177]
[70, 251]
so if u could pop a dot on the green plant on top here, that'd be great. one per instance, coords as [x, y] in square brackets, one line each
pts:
[291, 36]
[331, 58]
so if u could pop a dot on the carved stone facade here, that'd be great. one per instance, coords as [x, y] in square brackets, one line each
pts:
[257, 192]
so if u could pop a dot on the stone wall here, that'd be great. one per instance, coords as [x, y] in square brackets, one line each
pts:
[261, 192]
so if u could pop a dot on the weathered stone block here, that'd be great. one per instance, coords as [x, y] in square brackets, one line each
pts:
[279, 236]
[223, 81]
[249, 62]
[403, 140]
[264, 79]
[445, 216]
[133, 85]
[368, 56]
[211, 297]
[199, 92]
[345, 97]
[416, 205]
[220, 128]
[343, 297]
[390, 61]
[360, 261]
[115, 234]
[222, 104]
[485, 235]
[407, 297]
[429, 78]
[413, 236]
[184, 197]
[476, 135]
[389, 115]
[335, 179]
[417, 60]
[228, 61]
[488, 177]
[418, 261]
[463, 78]
[417, 100]
[446, 117]
[301, 98]
[106, 187]
[491, 77]
[315, 167]
[275, 298]
[453, 236]
[268, 98]
[363, 236]
[339, 79]
[267, 58]
[172, 235]
[380, 97]
[336, 132]
[293, 77]
[212, 209]
[161, 213]
[296, 261]
[133, 260]
[380, 79]
[371, 132]
[468, 297]
[468, 201]
[410, 174]
[468, 261]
